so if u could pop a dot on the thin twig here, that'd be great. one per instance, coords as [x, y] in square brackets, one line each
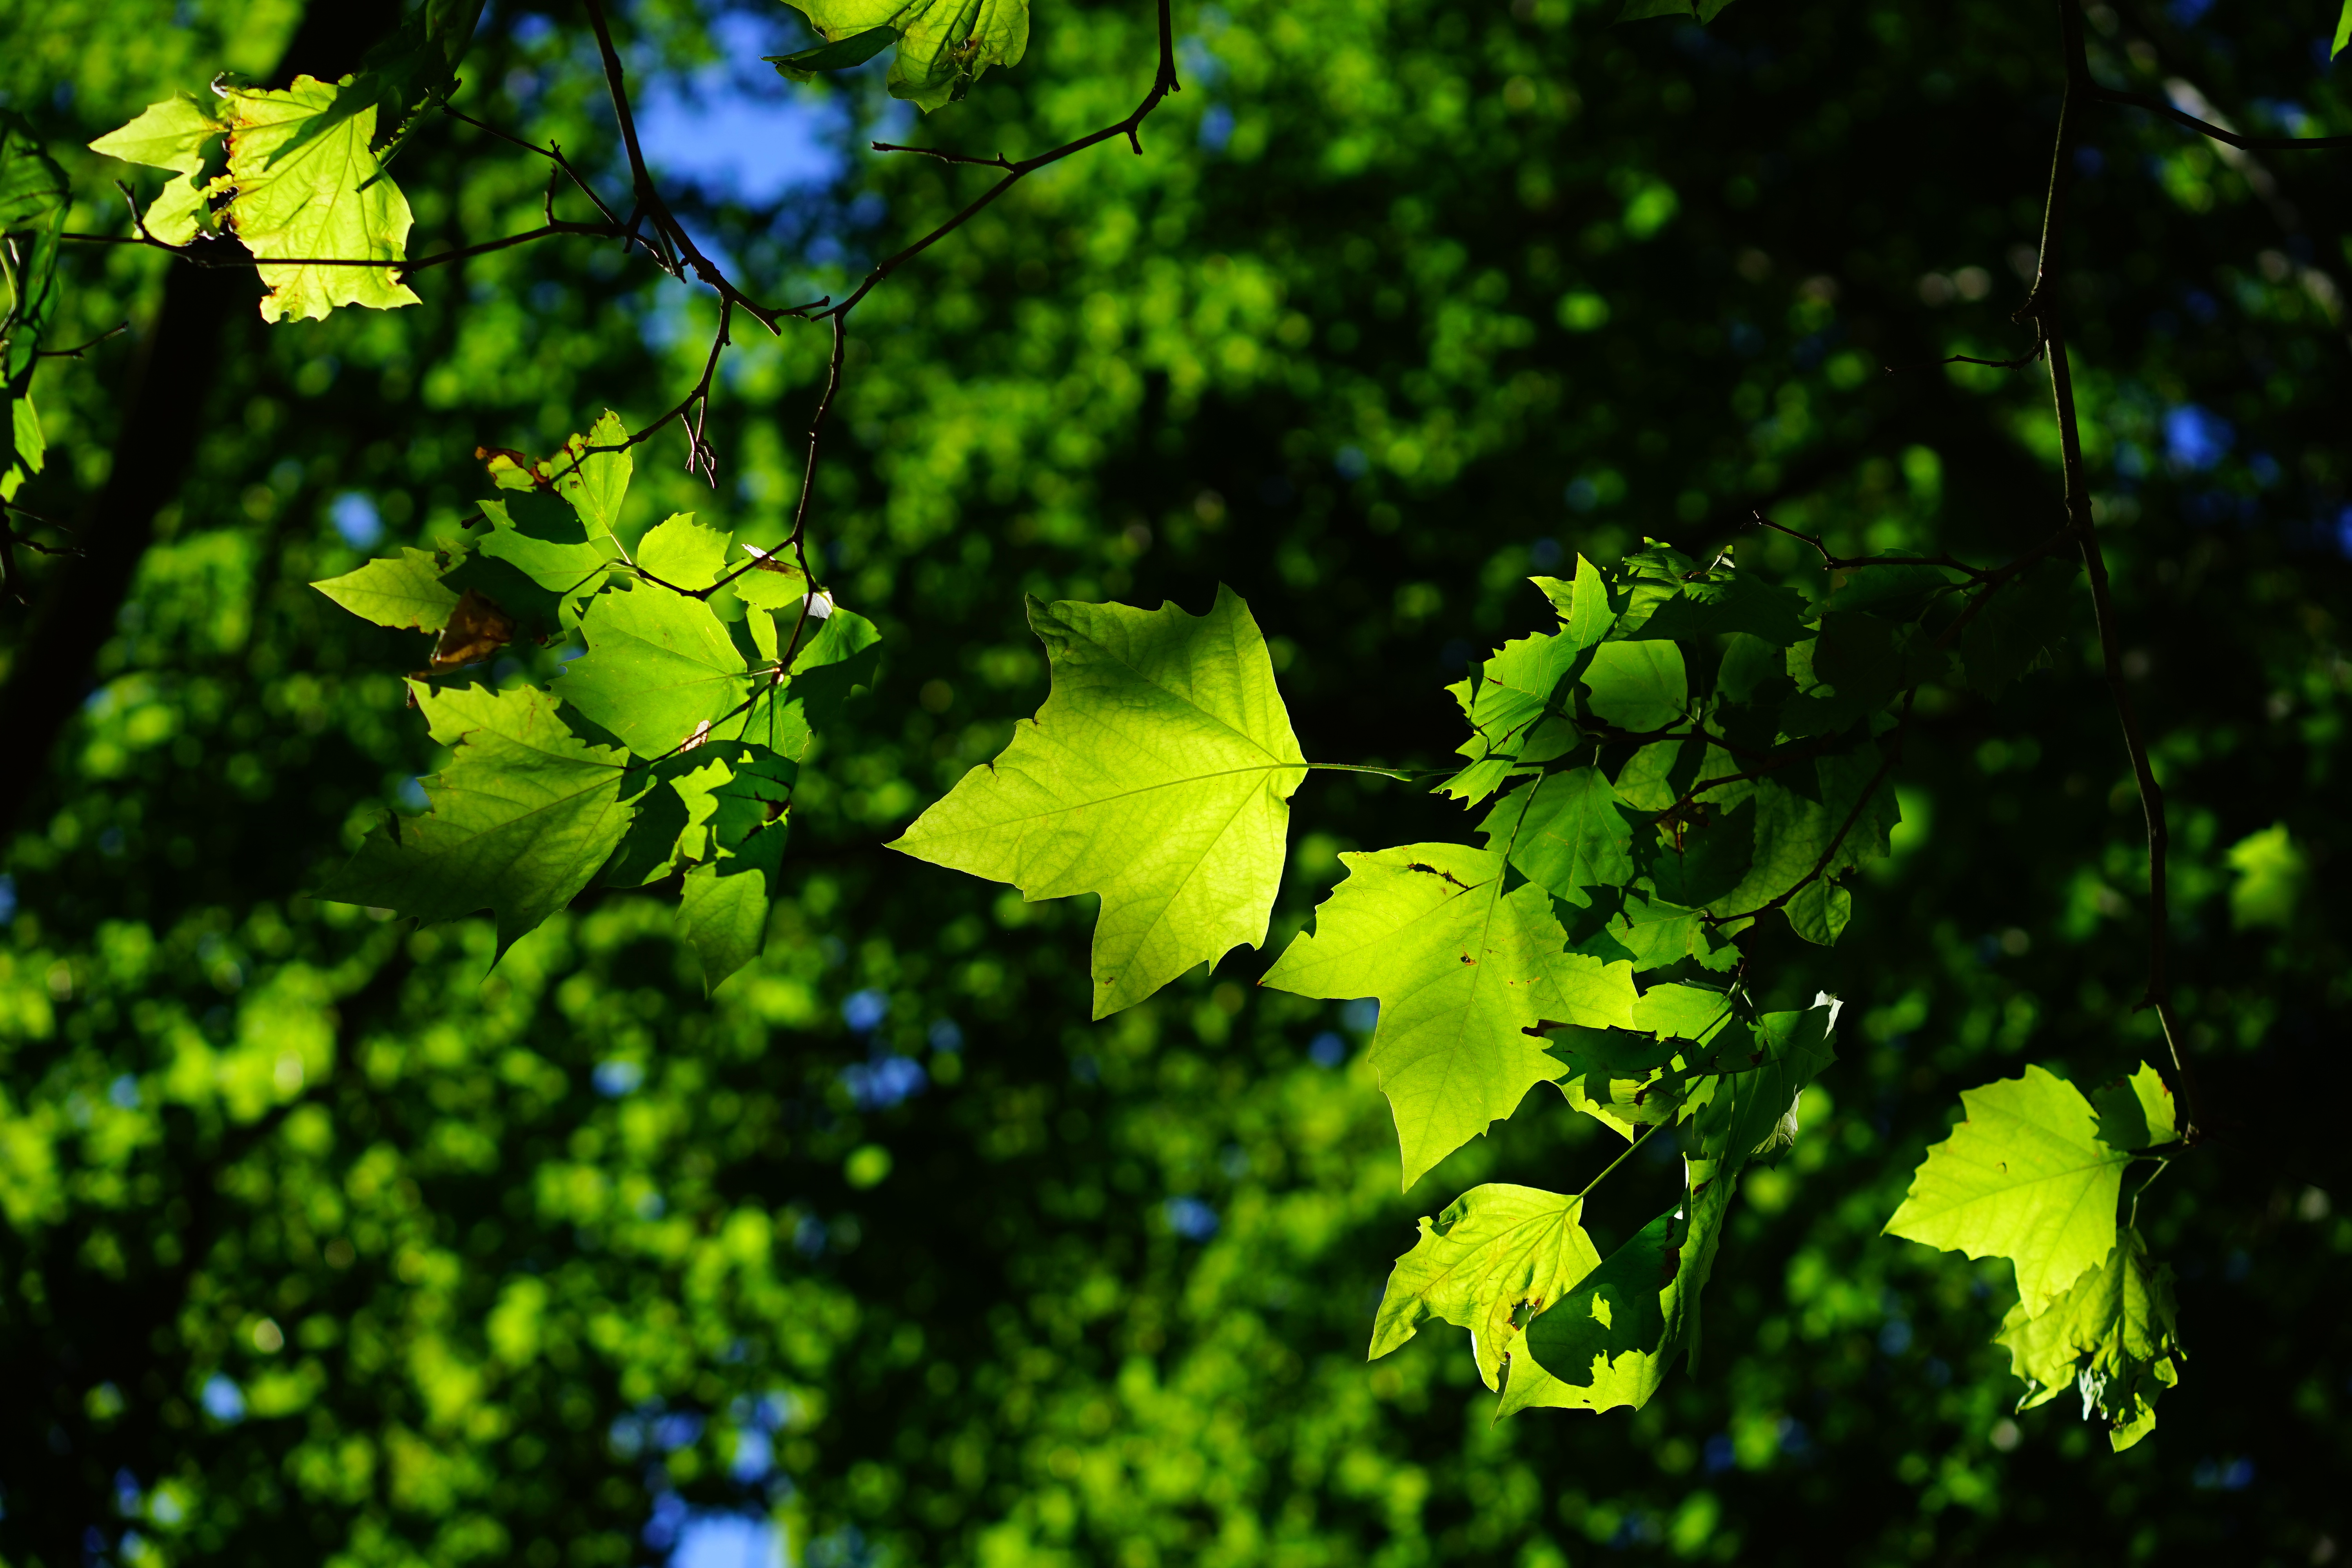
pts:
[75, 353]
[1845, 563]
[2044, 305]
[2231, 138]
[998, 161]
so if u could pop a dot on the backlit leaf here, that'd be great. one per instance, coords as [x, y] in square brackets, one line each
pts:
[661, 669]
[405, 592]
[309, 188]
[1464, 971]
[2137, 1113]
[2025, 1177]
[2112, 1334]
[1158, 773]
[1498, 1255]
[521, 818]
[943, 44]
[1639, 687]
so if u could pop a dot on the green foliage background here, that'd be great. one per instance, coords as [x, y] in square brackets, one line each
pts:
[504, 1268]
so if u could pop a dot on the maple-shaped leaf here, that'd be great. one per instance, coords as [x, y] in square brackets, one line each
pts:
[943, 44]
[2112, 1333]
[1612, 1340]
[1497, 1256]
[1158, 775]
[1565, 832]
[2137, 1113]
[309, 187]
[660, 670]
[736, 826]
[2025, 1177]
[1638, 687]
[405, 592]
[523, 815]
[1465, 971]
[834, 662]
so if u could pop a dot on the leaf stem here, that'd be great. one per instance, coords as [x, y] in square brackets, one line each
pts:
[1621, 1158]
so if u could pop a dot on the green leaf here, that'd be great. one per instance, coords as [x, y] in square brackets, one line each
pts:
[32, 189]
[853, 50]
[173, 134]
[2272, 872]
[944, 45]
[1512, 692]
[521, 818]
[2025, 1177]
[1158, 773]
[2013, 632]
[2112, 1333]
[1800, 811]
[405, 594]
[1565, 833]
[1732, 602]
[1497, 1256]
[593, 473]
[546, 544]
[1611, 1340]
[1752, 1113]
[661, 669]
[2136, 1113]
[724, 913]
[684, 552]
[1465, 971]
[835, 661]
[2343, 31]
[774, 584]
[1585, 616]
[308, 185]
[1639, 687]
[1622, 1080]
[1819, 912]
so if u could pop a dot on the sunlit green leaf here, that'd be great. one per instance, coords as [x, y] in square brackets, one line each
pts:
[2025, 1177]
[943, 45]
[1497, 1256]
[308, 189]
[404, 592]
[1639, 687]
[2110, 1334]
[1158, 773]
[1462, 970]
[661, 669]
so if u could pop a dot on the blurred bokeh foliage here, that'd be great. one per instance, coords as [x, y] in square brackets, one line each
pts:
[325, 1242]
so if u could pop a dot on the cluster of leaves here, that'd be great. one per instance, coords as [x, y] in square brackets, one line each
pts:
[1692, 750]
[668, 748]
[32, 202]
[2033, 1174]
[297, 174]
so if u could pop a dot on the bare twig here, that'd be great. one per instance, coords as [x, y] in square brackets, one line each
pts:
[2228, 138]
[2043, 306]
[1845, 563]
[79, 350]
[998, 161]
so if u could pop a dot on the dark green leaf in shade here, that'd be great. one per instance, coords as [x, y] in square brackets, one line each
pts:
[2017, 627]
[943, 44]
[1728, 603]
[838, 657]
[33, 188]
[521, 818]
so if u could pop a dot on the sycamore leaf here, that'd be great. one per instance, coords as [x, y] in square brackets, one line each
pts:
[2343, 31]
[32, 187]
[1611, 1340]
[547, 545]
[1638, 687]
[1510, 693]
[521, 818]
[1799, 812]
[593, 474]
[1158, 775]
[1465, 971]
[853, 50]
[1565, 833]
[2025, 1177]
[1585, 616]
[406, 594]
[309, 187]
[723, 911]
[173, 134]
[832, 664]
[684, 552]
[1733, 602]
[1622, 1080]
[2112, 1333]
[1752, 1113]
[943, 44]
[1497, 1256]
[2137, 1113]
[661, 669]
